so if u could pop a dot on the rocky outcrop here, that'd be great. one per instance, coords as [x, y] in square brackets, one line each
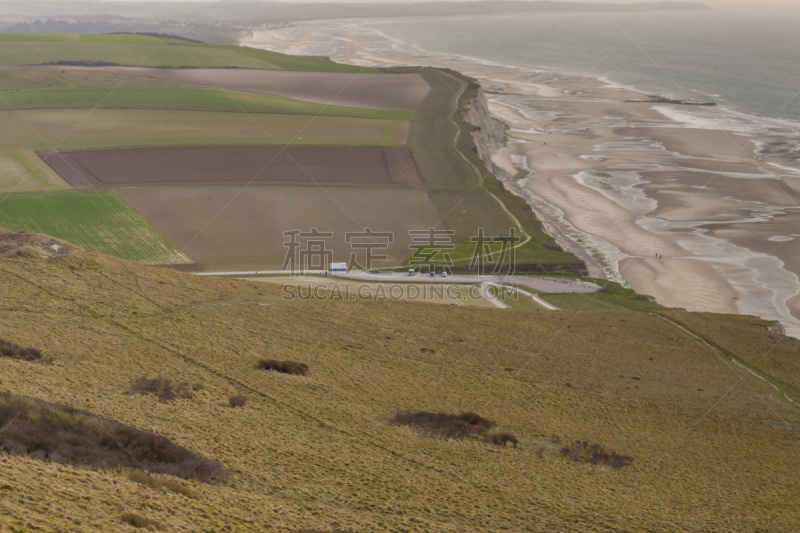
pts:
[25, 243]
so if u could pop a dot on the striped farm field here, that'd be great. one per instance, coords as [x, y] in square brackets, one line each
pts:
[75, 129]
[198, 98]
[96, 220]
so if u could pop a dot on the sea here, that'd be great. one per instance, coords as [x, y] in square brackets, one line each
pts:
[745, 60]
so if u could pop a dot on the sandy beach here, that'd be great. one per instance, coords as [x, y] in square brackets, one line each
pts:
[693, 205]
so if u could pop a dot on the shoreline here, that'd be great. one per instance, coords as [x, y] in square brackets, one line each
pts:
[624, 181]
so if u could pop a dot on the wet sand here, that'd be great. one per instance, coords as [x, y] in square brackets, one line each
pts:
[692, 205]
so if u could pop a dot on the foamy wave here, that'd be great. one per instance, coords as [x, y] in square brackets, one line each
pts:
[520, 105]
[621, 187]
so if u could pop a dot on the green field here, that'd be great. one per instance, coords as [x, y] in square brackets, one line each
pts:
[180, 98]
[97, 220]
[138, 50]
[72, 129]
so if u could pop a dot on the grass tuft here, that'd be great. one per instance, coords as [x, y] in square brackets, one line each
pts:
[596, 454]
[159, 484]
[163, 388]
[237, 401]
[141, 522]
[501, 438]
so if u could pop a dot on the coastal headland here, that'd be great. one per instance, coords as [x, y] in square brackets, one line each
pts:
[690, 204]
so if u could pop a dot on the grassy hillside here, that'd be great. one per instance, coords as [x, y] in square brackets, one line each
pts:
[711, 450]
[145, 51]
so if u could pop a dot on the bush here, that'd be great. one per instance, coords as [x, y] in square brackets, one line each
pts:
[237, 401]
[69, 436]
[443, 424]
[163, 388]
[501, 438]
[475, 419]
[454, 426]
[141, 522]
[583, 452]
[284, 367]
[15, 351]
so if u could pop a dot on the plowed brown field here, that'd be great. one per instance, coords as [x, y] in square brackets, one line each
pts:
[229, 228]
[256, 165]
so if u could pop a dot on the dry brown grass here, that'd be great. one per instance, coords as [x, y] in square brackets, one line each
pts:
[747, 338]
[318, 453]
[161, 484]
[141, 522]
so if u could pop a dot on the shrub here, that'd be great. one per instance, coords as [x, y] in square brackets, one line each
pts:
[69, 436]
[141, 522]
[475, 419]
[583, 452]
[284, 367]
[15, 351]
[443, 424]
[237, 401]
[501, 438]
[454, 426]
[163, 388]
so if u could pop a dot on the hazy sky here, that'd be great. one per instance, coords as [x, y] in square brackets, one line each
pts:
[714, 3]
[717, 4]
[794, 5]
